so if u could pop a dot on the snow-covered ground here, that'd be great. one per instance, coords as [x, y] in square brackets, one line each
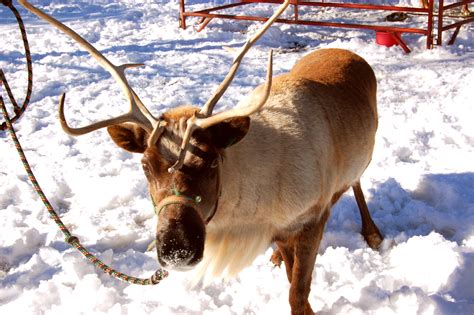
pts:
[420, 184]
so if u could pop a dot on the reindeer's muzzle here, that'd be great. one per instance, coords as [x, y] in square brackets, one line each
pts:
[180, 233]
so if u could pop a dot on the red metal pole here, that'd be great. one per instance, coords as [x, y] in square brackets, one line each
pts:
[203, 24]
[400, 42]
[440, 22]
[429, 35]
[315, 23]
[453, 37]
[351, 6]
[182, 17]
[458, 4]
[296, 11]
[222, 7]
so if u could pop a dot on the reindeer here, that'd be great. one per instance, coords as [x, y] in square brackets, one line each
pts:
[228, 185]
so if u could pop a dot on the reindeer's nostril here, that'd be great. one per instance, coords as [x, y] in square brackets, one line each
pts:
[171, 255]
[177, 257]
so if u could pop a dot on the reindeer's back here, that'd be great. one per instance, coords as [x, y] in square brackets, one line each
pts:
[318, 125]
[328, 103]
[340, 70]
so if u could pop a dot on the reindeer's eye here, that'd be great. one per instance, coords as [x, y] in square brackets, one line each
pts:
[215, 163]
[146, 170]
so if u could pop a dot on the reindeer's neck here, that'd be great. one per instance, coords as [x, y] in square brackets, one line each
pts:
[267, 175]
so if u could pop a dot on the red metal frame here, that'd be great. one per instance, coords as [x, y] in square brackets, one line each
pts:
[208, 14]
[457, 25]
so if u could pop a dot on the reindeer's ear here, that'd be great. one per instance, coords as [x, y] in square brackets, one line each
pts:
[129, 137]
[229, 132]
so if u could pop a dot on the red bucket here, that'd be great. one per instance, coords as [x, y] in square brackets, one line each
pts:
[385, 38]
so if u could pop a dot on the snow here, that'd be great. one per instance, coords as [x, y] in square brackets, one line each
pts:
[419, 186]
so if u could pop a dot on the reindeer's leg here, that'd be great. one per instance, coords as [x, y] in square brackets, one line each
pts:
[299, 254]
[370, 231]
[286, 253]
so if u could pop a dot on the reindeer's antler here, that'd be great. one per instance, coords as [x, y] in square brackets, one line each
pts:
[209, 106]
[203, 119]
[138, 113]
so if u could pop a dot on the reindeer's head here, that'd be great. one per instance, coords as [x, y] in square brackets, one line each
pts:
[187, 197]
[182, 150]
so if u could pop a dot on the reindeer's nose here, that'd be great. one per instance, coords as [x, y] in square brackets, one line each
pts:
[180, 238]
[176, 256]
[178, 251]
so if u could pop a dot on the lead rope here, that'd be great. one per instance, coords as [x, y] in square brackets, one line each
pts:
[18, 110]
[156, 278]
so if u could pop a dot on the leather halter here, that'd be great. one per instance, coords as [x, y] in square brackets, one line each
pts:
[179, 199]
[176, 200]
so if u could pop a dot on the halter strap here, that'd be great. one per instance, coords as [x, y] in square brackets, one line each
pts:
[176, 200]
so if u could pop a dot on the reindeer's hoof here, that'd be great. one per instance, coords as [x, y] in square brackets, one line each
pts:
[276, 258]
[373, 240]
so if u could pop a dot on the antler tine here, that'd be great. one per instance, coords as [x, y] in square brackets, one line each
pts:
[207, 109]
[194, 122]
[255, 103]
[138, 113]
